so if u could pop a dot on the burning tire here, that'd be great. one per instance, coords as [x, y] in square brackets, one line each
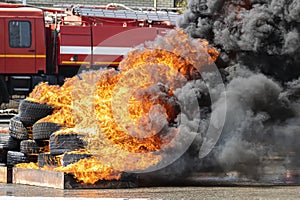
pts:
[17, 130]
[70, 158]
[14, 158]
[30, 147]
[43, 130]
[47, 159]
[65, 142]
[30, 112]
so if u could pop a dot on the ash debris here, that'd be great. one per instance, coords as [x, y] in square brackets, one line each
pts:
[259, 45]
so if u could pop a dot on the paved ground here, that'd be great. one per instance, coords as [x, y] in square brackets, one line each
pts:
[12, 191]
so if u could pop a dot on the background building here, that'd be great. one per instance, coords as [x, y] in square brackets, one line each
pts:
[151, 3]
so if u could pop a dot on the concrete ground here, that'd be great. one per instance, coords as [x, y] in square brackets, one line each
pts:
[18, 192]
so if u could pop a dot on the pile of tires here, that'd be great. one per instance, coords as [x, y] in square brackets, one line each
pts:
[21, 146]
[33, 140]
[5, 143]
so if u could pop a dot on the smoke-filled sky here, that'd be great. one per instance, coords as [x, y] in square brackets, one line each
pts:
[259, 45]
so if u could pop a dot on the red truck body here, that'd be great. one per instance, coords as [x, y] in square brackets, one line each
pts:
[18, 56]
[51, 44]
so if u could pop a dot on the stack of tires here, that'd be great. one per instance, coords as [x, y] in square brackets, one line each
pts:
[7, 143]
[26, 148]
[33, 140]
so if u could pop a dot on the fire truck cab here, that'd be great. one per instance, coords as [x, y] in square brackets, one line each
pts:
[49, 44]
[23, 49]
[23, 39]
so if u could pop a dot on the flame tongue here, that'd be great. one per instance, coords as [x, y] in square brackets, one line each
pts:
[152, 57]
[90, 170]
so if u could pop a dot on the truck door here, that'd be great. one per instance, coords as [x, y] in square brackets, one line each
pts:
[2, 53]
[20, 46]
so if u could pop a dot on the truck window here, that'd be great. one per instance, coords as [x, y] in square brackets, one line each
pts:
[19, 34]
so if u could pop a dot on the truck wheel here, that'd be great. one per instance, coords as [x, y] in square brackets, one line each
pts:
[43, 130]
[30, 112]
[69, 158]
[17, 130]
[47, 159]
[14, 158]
[65, 142]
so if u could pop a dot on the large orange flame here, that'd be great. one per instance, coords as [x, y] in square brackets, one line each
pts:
[114, 110]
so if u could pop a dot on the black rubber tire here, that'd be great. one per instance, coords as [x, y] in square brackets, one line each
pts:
[3, 156]
[43, 130]
[47, 159]
[61, 143]
[30, 147]
[17, 129]
[7, 142]
[30, 112]
[14, 157]
[69, 158]
[13, 144]
[4, 140]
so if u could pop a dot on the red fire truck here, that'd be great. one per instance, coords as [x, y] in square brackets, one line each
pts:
[49, 44]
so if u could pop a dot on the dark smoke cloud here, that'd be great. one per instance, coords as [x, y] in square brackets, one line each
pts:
[264, 35]
[259, 45]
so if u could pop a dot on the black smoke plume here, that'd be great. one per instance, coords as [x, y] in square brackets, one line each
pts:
[259, 45]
